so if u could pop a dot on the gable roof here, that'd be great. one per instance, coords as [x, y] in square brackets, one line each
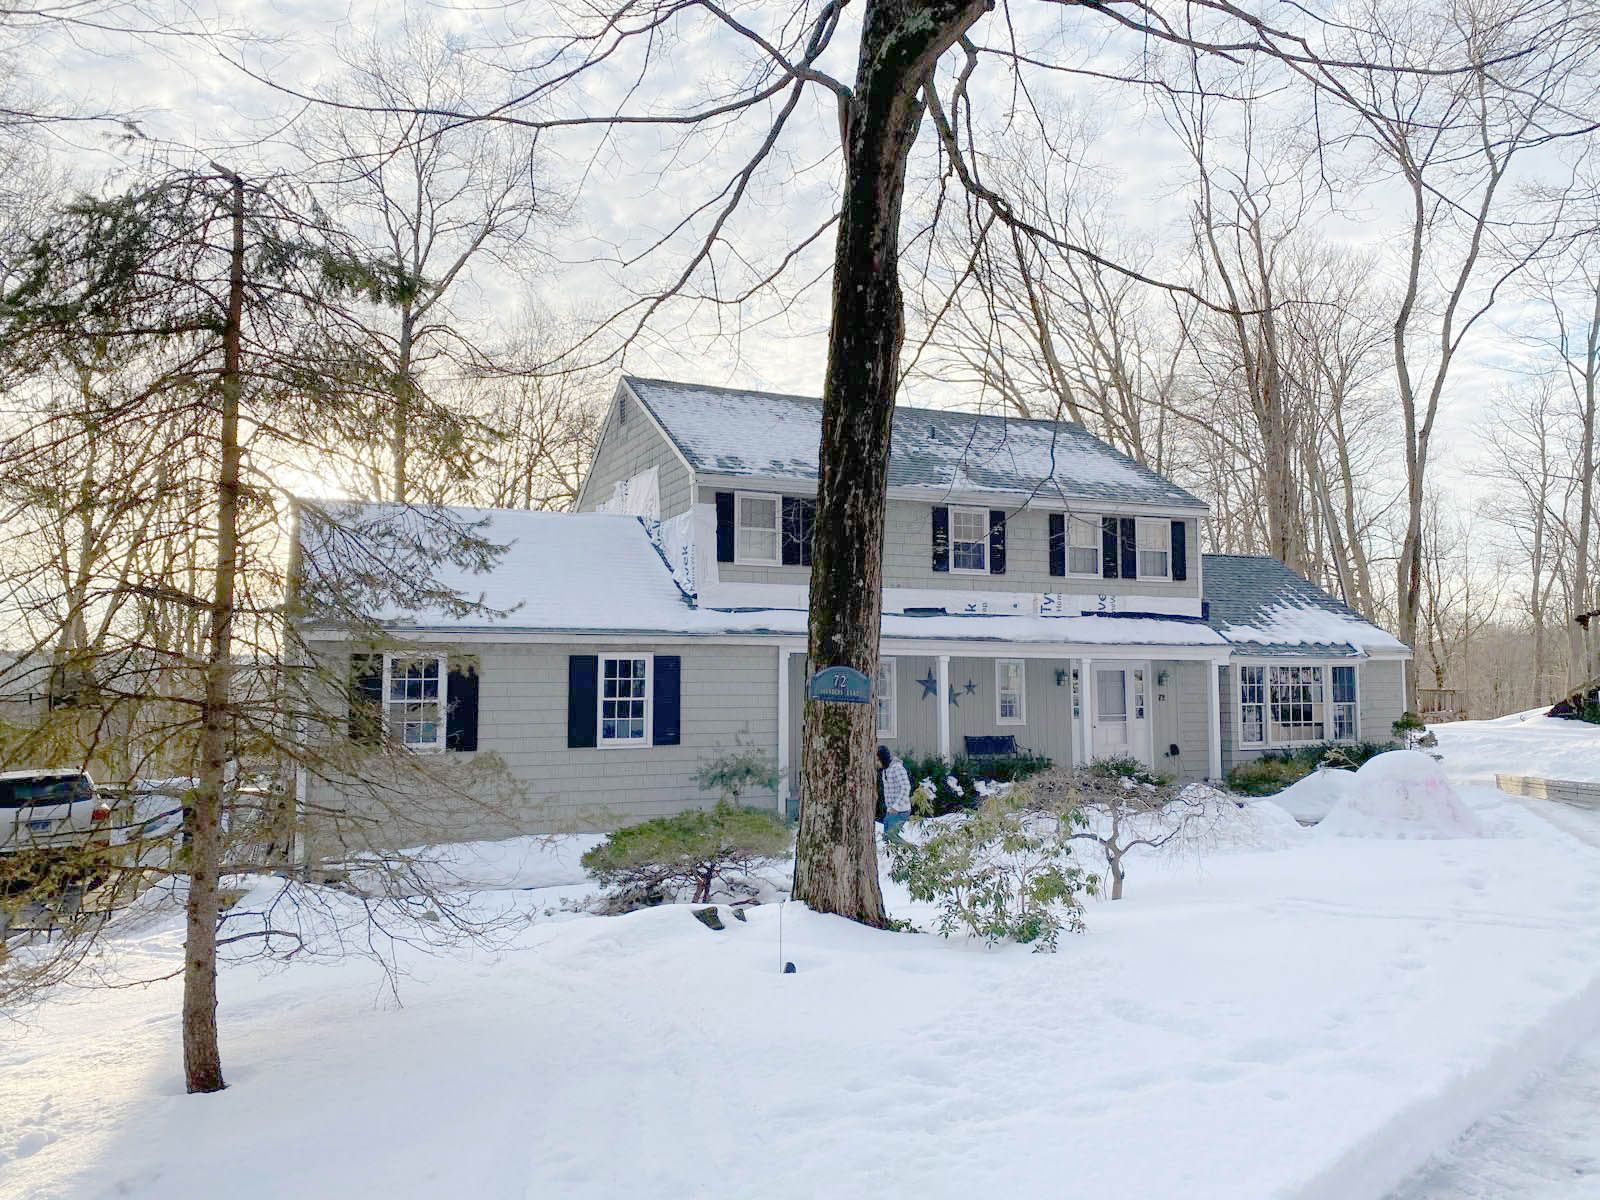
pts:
[767, 435]
[1265, 608]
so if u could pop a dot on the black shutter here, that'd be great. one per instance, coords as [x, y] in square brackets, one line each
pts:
[997, 541]
[1108, 547]
[1130, 548]
[941, 538]
[461, 722]
[664, 701]
[1180, 550]
[1058, 543]
[724, 529]
[366, 699]
[583, 671]
[799, 516]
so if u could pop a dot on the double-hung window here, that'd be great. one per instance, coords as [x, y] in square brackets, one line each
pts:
[883, 698]
[1252, 705]
[414, 700]
[1344, 703]
[1155, 549]
[1010, 691]
[756, 529]
[624, 698]
[1295, 693]
[1083, 546]
[969, 540]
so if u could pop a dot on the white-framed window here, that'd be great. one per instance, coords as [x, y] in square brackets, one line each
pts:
[1293, 704]
[1295, 697]
[883, 698]
[1083, 546]
[756, 533]
[1343, 704]
[415, 700]
[1155, 549]
[1138, 694]
[1252, 705]
[1010, 691]
[624, 700]
[1077, 693]
[969, 540]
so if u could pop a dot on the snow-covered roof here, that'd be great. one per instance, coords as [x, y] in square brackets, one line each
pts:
[764, 435]
[1263, 607]
[601, 573]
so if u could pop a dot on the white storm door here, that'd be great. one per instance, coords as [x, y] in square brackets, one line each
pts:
[1111, 717]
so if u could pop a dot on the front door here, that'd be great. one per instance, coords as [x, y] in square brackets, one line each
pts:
[1119, 712]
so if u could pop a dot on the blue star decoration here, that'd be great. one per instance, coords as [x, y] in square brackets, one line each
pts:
[971, 688]
[955, 697]
[930, 685]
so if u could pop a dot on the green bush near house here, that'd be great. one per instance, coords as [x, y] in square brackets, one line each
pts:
[738, 771]
[1125, 767]
[1277, 769]
[656, 860]
[966, 772]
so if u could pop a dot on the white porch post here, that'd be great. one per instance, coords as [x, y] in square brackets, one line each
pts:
[1085, 710]
[943, 701]
[1214, 722]
[783, 730]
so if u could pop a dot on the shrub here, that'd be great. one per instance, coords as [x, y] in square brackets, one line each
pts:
[737, 772]
[999, 872]
[656, 860]
[1124, 767]
[955, 783]
[1277, 769]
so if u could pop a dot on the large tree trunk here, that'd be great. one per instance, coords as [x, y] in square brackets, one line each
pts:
[836, 864]
[1581, 667]
[202, 1058]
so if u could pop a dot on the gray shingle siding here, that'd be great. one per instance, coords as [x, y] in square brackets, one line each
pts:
[908, 560]
[628, 447]
[728, 699]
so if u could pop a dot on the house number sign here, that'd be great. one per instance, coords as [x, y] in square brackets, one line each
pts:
[840, 685]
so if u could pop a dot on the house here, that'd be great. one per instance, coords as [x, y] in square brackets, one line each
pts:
[1041, 589]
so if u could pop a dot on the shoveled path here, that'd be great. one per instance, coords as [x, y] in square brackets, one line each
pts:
[1545, 1145]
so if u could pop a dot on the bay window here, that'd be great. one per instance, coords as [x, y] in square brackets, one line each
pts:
[1294, 704]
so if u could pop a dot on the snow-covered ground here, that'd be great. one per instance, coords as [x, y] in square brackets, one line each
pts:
[1522, 744]
[1305, 1015]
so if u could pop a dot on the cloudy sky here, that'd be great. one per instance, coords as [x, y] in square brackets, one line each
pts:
[624, 191]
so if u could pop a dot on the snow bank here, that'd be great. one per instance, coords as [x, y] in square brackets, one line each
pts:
[1402, 794]
[1312, 798]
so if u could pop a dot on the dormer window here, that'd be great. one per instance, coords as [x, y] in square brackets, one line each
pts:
[756, 532]
[969, 540]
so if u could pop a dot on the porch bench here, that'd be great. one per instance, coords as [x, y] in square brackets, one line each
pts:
[1002, 745]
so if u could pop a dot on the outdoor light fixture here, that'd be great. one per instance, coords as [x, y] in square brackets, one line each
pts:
[1061, 677]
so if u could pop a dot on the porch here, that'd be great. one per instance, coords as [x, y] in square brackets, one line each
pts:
[1146, 703]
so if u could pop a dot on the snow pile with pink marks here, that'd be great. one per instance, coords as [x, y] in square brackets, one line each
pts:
[1402, 794]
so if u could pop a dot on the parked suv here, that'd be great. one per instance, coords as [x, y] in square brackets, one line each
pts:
[51, 812]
